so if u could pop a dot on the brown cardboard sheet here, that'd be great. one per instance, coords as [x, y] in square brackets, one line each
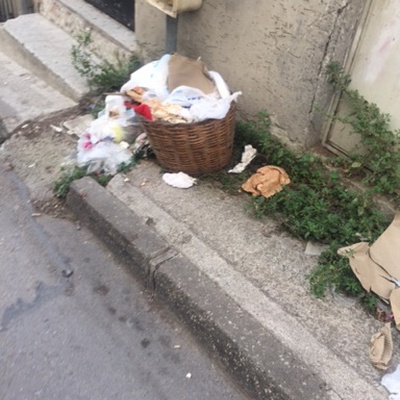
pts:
[378, 266]
[183, 71]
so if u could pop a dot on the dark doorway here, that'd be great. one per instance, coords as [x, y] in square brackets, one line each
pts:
[121, 10]
[12, 9]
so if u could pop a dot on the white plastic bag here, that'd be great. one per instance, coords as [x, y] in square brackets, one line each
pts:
[200, 105]
[116, 110]
[210, 107]
[104, 128]
[220, 84]
[185, 96]
[152, 76]
[104, 156]
[391, 382]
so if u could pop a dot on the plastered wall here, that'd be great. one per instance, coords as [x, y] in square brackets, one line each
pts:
[274, 51]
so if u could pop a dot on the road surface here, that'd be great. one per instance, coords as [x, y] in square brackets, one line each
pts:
[75, 325]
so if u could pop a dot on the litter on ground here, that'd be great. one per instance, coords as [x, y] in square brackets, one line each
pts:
[266, 181]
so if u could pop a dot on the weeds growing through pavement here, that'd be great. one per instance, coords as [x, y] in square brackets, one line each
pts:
[62, 185]
[316, 206]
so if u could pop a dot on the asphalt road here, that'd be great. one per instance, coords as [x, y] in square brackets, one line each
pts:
[75, 325]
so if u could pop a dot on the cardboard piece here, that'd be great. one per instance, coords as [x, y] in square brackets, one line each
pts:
[378, 266]
[381, 349]
[395, 305]
[371, 276]
[266, 181]
[386, 249]
[183, 71]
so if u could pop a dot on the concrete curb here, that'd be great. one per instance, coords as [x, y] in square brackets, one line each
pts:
[251, 354]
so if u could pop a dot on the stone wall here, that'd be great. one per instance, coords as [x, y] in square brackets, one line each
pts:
[273, 51]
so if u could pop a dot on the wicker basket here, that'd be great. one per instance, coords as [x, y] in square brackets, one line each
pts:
[196, 149]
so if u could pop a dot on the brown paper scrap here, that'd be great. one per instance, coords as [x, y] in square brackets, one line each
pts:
[381, 349]
[376, 265]
[371, 276]
[386, 249]
[266, 181]
[395, 305]
[183, 71]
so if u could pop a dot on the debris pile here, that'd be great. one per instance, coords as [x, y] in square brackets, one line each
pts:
[174, 89]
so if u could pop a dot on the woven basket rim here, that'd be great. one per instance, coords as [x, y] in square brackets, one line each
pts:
[169, 124]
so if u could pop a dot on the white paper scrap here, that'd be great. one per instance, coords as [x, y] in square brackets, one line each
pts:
[179, 180]
[392, 383]
[247, 156]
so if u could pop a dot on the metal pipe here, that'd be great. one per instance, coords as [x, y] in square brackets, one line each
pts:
[172, 35]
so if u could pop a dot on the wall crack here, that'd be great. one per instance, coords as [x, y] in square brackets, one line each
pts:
[325, 55]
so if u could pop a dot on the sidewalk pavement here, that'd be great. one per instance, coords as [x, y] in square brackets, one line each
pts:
[239, 284]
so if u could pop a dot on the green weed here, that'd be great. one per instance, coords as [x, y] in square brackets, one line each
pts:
[316, 206]
[377, 157]
[62, 185]
[101, 75]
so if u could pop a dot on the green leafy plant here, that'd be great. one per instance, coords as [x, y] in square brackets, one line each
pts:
[377, 157]
[102, 76]
[316, 206]
[62, 185]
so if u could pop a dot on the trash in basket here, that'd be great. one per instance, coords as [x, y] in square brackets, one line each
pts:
[187, 112]
[192, 113]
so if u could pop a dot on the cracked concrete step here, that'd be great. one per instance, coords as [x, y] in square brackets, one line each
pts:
[43, 48]
[24, 97]
[110, 39]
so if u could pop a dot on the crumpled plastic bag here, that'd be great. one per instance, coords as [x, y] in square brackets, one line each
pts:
[98, 147]
[266, 181]
[102, 147]
[211, 108]
[198, 106]
[392, 383]
[104, 128]
[104, 156]
[381, 349]
[151, 76]
[115, 109]
[116, 122]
